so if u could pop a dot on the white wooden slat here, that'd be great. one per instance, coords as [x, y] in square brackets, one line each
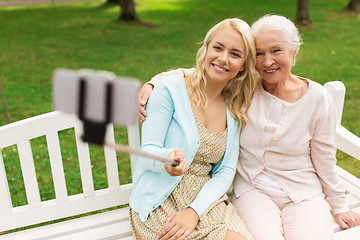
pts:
[352, 201]
[348, 234]
[116, 230]
[29, 174]
[111, 161]
[52, 210]
[349, 182]
[134, 142]
[74, 226]
[34, 127]
[84, 164]
[337, 92]
[57, 167]
[347, 142]
[127, 238]
[5, 198]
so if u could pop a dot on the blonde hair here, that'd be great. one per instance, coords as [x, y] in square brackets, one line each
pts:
[238, 91]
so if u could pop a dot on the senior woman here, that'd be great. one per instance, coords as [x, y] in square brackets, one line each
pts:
[286, 185]
[287, 169]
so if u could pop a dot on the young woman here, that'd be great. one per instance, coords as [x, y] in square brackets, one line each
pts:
[196, 120]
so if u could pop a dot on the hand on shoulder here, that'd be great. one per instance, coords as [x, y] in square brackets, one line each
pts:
[143, 97]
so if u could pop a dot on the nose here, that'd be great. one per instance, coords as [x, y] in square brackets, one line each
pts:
[223, 57]
[268, 60]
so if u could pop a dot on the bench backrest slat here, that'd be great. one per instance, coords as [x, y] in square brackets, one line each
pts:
[134, 142]
[57, 168]
[111, 161]
[84, 164]
[337, 92]
[29, 174]
[5, 199]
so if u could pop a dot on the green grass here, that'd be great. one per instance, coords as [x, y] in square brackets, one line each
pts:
[35, 40]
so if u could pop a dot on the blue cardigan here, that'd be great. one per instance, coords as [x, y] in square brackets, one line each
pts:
[170, 125]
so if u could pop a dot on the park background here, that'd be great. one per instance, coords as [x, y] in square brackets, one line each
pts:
[37, 39]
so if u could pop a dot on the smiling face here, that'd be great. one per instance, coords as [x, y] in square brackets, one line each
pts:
[274, 56]
[225, 56]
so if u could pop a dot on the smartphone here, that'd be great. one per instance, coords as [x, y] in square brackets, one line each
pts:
[96, 96]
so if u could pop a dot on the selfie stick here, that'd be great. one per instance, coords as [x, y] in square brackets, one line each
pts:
[94, 132]
[123, 148]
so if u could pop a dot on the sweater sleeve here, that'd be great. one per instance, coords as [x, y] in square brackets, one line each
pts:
[159, 77]
[323, 154]
[160, 110]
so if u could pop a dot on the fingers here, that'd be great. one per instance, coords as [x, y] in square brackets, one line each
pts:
[348, 219]
[179, 156]
[185, 235]
[143, 96]
[164, 234]
[181, 168]
[173, 231]
[179, 225]
[183, 164]
[141, 113]
[341, 222]
[353, 219]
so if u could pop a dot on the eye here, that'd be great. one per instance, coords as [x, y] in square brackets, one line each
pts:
[236, 55]
[276, 50]
[217, 48]
[259, 53]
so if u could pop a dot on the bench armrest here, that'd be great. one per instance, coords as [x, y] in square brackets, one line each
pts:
[347, 142]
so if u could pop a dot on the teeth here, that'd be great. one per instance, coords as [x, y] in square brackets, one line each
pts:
[270, 71]
[219, 68]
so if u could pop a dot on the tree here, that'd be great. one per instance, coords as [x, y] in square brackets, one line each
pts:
[303, 12]
[112, 1]
[354, 5]
[127, 11]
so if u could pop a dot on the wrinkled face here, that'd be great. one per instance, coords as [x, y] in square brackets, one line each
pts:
[225, 56]
[274, 56]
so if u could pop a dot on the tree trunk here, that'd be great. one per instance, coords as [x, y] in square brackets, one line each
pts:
[112, 1]
[303, 12]
[354, 5]
[127, 12]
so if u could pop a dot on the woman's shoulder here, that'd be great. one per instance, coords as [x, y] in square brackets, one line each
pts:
[318, 93]
[172, 81]
[170, 86]
[319, 89]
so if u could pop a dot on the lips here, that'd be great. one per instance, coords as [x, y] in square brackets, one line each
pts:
[219, 69]
[270, 70]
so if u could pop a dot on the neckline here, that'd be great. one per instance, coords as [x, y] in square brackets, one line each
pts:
[283, 101]
[211, 132]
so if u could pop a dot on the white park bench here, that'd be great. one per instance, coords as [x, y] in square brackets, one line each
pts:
[113, 223]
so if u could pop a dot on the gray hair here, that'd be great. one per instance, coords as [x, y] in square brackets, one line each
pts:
[282, 24]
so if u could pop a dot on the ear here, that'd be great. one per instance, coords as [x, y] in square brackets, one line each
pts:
[242, 68]
[295, 53]
[294, 57]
